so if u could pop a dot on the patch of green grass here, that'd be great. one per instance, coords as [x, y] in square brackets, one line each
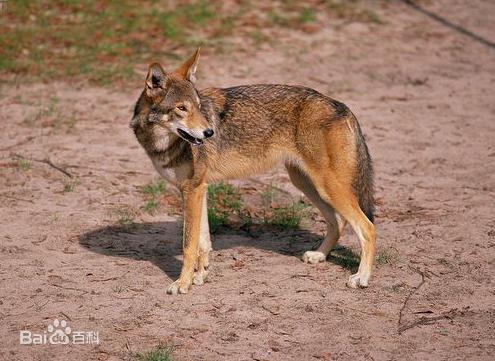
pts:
[153, 191]
[103, 42]
[125, 217]
[371, 16]
[119, 288]
[151, 206]
[386, 256]
[225, 204]
[288, 217]
[258, 37]
[399, 287]
[247, 219]
[352, 10]
[24, 164]
[216, 219]
[278, 18]
[268, 195]
[52, 106]
[67, 123]
[106, 74]
[223, 200]
[339, 8]
[200, 12]
[291, 16]
[168, 24]
[307, 15]
[159, 353]
[71, 123]
[7, 64]
[69, 186]
[224, 193]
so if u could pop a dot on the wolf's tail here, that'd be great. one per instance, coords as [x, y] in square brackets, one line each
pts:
[363, 181]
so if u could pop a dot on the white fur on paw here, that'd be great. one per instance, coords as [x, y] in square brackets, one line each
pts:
[173, 289]
[314, 257]
[357, 280]
[176, 288]
[199, 277]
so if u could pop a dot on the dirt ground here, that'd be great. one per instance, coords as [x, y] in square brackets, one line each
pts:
[424, 95]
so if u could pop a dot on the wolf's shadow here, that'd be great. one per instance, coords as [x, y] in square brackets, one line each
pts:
[160, 243]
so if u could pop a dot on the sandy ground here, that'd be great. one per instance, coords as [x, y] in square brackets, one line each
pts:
[424, 94]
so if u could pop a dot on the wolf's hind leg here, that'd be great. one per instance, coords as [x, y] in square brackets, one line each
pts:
[335, 223]
[203, 265]
[338, 192]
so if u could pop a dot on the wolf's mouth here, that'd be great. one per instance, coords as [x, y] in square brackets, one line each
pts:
[186, 136]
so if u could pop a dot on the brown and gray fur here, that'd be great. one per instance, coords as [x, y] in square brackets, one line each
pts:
[239, 131]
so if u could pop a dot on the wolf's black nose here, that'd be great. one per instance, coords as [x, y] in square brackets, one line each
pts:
[208, 133]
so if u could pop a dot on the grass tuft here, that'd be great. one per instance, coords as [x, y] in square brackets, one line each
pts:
[223, 200]
[24, 164]
[352, 11]
[307, 15]
[387, 256]
[269, 195]
[119, 288]
[153, 191]
[125, 217]
[225, 208]
[288, 217]
[151, 206]
[69, 186]
[200, 12]
[159, 353]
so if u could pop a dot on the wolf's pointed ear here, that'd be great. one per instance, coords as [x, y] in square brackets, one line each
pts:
[188, 69]
[155, 80]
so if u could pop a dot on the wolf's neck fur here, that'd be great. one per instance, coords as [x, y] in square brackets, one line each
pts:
[171, 151]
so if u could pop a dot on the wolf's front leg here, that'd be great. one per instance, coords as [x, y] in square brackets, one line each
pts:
[192, 203]
[204, 245]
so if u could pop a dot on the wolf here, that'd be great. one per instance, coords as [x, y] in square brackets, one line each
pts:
[197, 137]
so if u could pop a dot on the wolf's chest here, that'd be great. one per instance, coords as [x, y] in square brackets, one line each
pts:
[173, 175]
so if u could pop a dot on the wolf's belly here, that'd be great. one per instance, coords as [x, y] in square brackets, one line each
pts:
[232, 164]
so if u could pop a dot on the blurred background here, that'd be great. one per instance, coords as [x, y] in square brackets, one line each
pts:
[105, 41]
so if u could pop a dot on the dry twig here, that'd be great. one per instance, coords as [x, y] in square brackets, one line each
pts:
[47, 162]
[430, 320]
[414, 290]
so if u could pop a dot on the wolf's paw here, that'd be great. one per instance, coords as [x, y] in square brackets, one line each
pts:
[178, 286]
[200, 277]
[357, 280]
[313, 257]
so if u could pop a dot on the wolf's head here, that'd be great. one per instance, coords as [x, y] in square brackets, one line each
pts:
[170, 104]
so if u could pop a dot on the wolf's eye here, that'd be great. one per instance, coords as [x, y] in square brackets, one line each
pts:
[182, 108]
